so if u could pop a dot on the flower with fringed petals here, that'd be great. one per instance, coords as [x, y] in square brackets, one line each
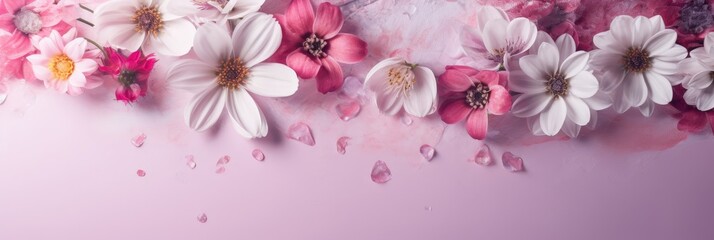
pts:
[131, 72]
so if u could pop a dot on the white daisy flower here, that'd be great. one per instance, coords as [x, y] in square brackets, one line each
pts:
[637, 59]
[145, 24]
[558, 90]
[497, 38]
[215, 10]
[398, 84]
[699, 76]
[229, 69]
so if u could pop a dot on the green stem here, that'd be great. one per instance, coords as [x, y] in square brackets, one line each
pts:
[86, 8]
[85, 22]
[98, 47]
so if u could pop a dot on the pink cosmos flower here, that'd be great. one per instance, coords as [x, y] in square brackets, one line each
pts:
[472, 95]
[131, 72]
[64, 64]
[23, 19]
[313, 46]
[690, 118]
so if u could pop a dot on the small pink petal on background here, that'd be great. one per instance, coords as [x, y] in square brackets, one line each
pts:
[483, 156]
[223, 160]
[258, 155]
[220, 170]
[138, 140]
[301, 132]
[381, 173]
[406, 120]
[512, 162]
[202, 218]
[347, 111]
[427, 151]
[190, 162]
[140, 173]
[342, 145]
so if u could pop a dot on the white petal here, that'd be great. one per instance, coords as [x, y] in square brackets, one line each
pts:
[85, 66]
[114, 25]
[75, 49]
[635, 89]
[122, 36]
[384, 64]
[205, 108]
[533, 68]
[256, 38]
[534, 125]
[690, 66]
[553, 117]
[605, 41]
[522, 83]
[700, 80]
[709, 42]
[619, 103]
[599, 101]
[175, 39]
[421, 99]
[566, 46]
[622, 30]
[674, 54]
[244, 7]
[574, 64]
[212, 43]
[389, 101]
[657, 23]
[660, 89]
[583, 85]
[191, 75]
[705, 101]
[647, 108]
[664, 67]
[549, 58]
[488, 13]
[494, 36]
[541, 37]
[702, 57]
[661, 42]
[520, 35]
[182, 7]
[272, 80]
[642, 30]
[691, 95]
[246, 116]
[578, 111]
[528, 105]
[571, 129]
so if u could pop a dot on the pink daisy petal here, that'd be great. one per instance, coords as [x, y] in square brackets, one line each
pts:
[477, 124]
[330, 76]
[300, 16]
[499, 102]
[347, 48]
[454, 110]
[328, 21]
[305, 66]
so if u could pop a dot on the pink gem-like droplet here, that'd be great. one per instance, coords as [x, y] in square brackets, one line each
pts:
[342, 144]
[223, 161]
[406, 120]
[140, 173]
[347, 111]
[301, 132]
[138, 141]
[190, 162]
[483, 156]
[427, 152]
[202, 218]
[512, 162]
[258, 155]
[381, 173]
[220, 170]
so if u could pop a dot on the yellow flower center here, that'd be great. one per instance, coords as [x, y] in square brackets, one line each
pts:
[401, 77]
[61, 67]
[232, 73]
[148, 19]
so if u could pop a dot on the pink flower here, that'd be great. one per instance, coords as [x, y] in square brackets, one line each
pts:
[313, 46]
[131, 72]
[23, 19]
[692, 19]
[63, 63]
[690, 118]
[472, 95]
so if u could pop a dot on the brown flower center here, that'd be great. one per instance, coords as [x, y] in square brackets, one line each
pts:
[401, 77]
[477, 96]
[315, 46]
[637, 60]
[557, 85]
[232, 73]
[61, 67]
[148, 19]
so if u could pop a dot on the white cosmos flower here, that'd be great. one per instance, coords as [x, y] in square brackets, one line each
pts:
[497, 38]
[699, 75]
[215, 10]
[145, 24]
[229, 69]
[558, 90]
[397, 83]
[637, 59]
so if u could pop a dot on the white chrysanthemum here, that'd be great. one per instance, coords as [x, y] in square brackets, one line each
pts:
[559, 92]
[145, 24]
[699, 76]
[637, 59]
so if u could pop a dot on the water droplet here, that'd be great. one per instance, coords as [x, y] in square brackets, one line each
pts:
[352, 88]
[138, 141]
[406, 120]
[301, 132]
[220, 170]
[342, 144]
[223, 161]
[381, 173]
[483, 156]
[512, 162]
[202, 218]
[140, 173]
[427, 152]
[348, 110]
[190, 162]
[258, 155]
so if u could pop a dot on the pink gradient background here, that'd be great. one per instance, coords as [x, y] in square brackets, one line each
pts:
[68, 169]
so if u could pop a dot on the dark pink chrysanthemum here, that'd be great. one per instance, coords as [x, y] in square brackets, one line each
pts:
[313, 46]
[131, 72]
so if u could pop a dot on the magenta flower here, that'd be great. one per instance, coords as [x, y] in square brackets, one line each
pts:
[472, 95]
[313, 46]
[131, 72]
[692, 19]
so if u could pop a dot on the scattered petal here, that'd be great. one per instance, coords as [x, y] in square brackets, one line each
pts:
[512, 162]
[190, 162]
[427, 152]
[138, 141]
[223, 161]
[381, 173]
[342, 144]
[140, 173]
[352, 88]
[301, 132]
[348, 110]
[483, 156]
[258, 155]
[221, 170]
[406, 120]
[202, 218]
[427, 208]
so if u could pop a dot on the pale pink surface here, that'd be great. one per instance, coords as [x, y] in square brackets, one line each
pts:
[632, 178]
